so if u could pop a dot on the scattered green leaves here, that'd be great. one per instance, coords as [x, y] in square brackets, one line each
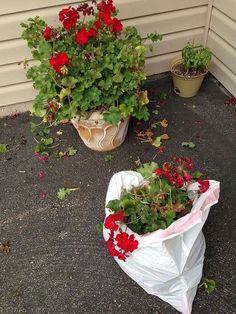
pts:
[3, 148]
[43, 145]
[208, 284]
[108, 157]
[188, 144]
[70, 151]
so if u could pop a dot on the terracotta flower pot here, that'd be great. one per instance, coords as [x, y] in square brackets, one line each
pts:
[185, 86]
[99, 135]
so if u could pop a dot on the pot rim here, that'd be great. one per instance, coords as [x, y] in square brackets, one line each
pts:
[178, 60]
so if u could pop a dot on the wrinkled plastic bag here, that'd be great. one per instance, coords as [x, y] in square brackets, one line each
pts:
[167, 263]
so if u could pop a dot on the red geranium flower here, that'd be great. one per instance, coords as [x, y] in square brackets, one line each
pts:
[110, 223]
[126, 242]
[203, 185]
[118, 216]
[92, 32]
[58, 61]
[117, 26]
[179, 182]
[158, 172]
[68, 17]
[82, 37]
[48, 33]
[97, 24]
[103, 6]
[105, 17]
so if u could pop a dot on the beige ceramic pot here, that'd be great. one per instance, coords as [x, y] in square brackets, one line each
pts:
[185, 86]
[99, 135]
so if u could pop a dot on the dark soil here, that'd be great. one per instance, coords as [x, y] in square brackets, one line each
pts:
[179, 69]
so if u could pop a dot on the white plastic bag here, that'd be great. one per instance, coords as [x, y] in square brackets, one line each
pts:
[167, 263]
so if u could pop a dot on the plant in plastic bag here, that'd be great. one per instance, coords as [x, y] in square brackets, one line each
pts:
[166, 262]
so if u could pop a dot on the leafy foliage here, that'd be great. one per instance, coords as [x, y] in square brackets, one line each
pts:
[195, 57]
[159, 200]
[104, 73]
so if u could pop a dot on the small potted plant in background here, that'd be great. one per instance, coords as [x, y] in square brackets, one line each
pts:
[189, 70]
[90, 71]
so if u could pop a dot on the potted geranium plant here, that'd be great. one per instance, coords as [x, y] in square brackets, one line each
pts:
[189, 70]
[90, 71]
[153, 227]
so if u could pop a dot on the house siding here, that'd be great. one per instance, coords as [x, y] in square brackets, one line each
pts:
[178, 21]
[221, 40]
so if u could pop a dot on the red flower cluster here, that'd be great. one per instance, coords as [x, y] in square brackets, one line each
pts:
[106, 9]
[59, 61]
[203, 185]
[83, 36]
[176, 173]
[48, 33]
[68, 17]
[122, 243]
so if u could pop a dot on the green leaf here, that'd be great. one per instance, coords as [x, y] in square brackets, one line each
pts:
[3, 148]
[188, 144]
[197, 175]
[99, 227]
[59, 154]
[157, 142]
[114, 205]
[146, 170]
[154, 37]
[208, 284]
[71, 151]
[62, 193]
[169, 216]
[112, 116]
[108, 157]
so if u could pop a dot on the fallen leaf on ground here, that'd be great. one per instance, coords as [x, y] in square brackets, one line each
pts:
[3, 148]
[188, 144]
[43, 195]
[5, 247]
[157, 142]
[108, 157]
[164, 123]
[197, 175]
[208, 284]
[60, 132]
[62, 193]
[164, 137]
[41, 175]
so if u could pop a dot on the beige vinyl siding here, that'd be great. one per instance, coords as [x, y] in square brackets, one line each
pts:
[179, 21]
[222, 41]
